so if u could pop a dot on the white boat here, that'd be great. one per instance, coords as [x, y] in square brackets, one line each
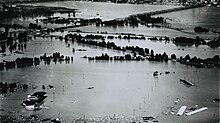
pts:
[181, 111]
[196, 111]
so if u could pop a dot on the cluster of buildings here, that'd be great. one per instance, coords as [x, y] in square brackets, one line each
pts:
[5, 8]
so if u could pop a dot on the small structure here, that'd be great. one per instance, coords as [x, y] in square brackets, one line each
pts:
[34, 101]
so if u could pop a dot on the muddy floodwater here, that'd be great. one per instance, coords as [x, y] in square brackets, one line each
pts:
[124, 90]
[121, 88]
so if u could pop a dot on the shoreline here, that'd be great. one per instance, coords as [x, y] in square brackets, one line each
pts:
[168, 10]
[173, 28]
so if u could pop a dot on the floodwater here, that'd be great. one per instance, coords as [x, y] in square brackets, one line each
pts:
[105, 10]
[205, 16]
[157, 46]
[122, 89]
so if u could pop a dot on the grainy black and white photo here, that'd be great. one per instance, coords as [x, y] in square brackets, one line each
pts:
[109, 61]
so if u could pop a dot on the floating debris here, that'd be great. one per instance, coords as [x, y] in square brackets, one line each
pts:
[172, 112]
[216, 100]
[187, 83]
[73, 101]
[56, 120]
[50, 86]
[176, 100]
[81, 49]
[43, 87]
[155, 73]
[90, 88]
[149, 119]
[167, 72]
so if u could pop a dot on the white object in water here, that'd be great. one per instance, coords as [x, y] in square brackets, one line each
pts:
[196, 111]
[30, 107]
[44, 107]
[177, 100]
[181, 111]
